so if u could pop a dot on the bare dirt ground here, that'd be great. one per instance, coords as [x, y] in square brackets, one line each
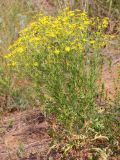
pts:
[23, 135]
[110, 71]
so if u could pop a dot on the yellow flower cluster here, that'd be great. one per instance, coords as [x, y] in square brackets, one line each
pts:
[70, 32]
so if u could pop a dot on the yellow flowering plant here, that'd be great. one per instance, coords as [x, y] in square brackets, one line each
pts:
[61, 56]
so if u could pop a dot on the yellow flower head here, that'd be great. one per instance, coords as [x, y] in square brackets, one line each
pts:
[92, 42]
[67, 49]
[57, 51]
[35, 64]
[13, 64]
